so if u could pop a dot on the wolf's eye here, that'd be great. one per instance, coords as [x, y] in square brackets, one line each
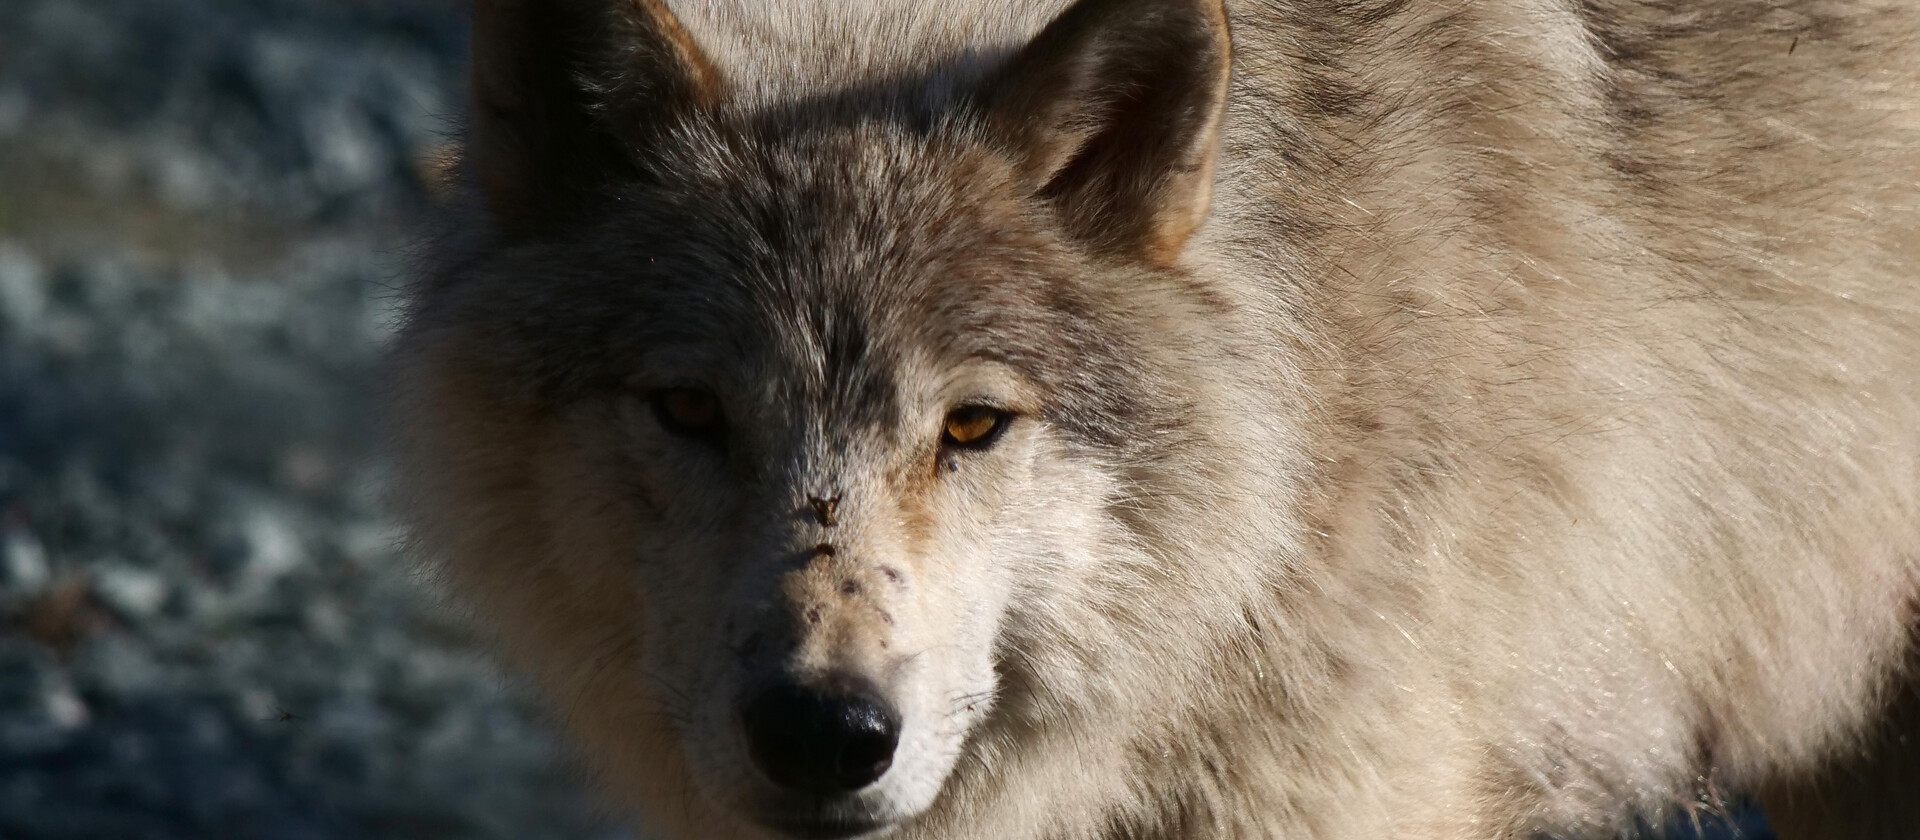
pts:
[688, 412]
[974, 426]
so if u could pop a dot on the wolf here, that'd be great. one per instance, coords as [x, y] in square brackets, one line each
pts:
[1301, 419]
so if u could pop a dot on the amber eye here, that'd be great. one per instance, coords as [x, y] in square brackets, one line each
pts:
[974, 426]
[688, 412]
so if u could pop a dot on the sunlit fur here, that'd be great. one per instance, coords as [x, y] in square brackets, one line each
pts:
[1529, 439]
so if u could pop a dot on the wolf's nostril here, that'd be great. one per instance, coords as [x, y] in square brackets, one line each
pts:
[818, 742]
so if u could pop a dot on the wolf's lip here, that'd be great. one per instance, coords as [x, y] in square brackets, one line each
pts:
[827, 828]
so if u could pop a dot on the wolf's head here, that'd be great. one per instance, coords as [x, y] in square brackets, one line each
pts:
[789, 444]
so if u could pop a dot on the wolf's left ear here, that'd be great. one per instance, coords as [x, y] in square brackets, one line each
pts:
[1113, 115]
[566, 94]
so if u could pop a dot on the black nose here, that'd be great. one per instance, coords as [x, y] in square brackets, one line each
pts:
[820, 742]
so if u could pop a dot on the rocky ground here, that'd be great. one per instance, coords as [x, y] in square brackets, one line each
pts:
[205, 627]
[208, 632]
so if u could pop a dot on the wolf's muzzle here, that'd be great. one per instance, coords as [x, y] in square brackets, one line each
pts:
[818, 742]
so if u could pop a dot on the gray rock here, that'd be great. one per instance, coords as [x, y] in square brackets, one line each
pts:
[15, 109]
[121, 666]
[132, 591]
[27, 569]
[23, 286]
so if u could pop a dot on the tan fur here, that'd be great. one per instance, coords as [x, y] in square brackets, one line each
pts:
[1551, 449]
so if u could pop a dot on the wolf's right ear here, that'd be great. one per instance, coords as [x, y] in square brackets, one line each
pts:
[1113, 115]
[566, 93]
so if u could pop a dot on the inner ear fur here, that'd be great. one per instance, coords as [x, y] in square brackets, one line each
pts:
[566, 94]
[1113, 116]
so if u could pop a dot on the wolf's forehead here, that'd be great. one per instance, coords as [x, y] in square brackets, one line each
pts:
[831, 260]
[859, 345]
[849, 344]
[840, 248]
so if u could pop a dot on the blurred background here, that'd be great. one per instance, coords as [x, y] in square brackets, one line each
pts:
[206, 630]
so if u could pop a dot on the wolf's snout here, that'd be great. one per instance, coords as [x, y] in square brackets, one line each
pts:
[820, 742]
